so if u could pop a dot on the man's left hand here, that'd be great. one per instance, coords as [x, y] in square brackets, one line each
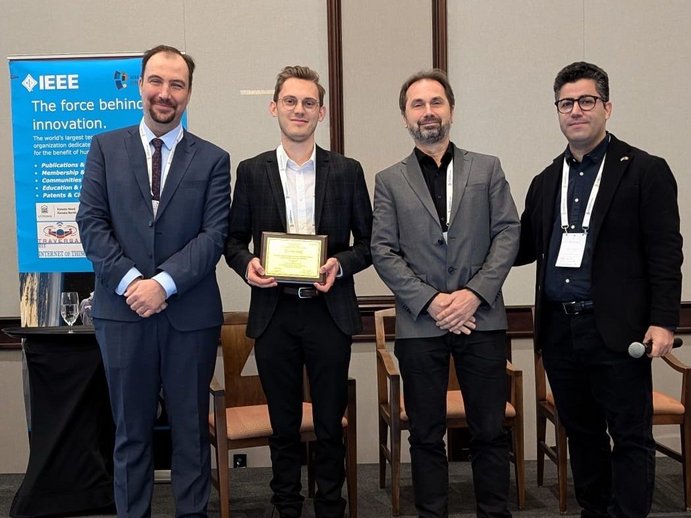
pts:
[331, 268]
[460, 307]
[661, 340]
[146, 297]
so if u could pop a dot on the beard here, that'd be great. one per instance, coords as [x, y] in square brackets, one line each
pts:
[162, 118]
[432, 135]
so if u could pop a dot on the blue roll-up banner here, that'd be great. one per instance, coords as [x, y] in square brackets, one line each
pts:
[58, 104]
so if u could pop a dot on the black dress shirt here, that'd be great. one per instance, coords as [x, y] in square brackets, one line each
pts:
[569, 284]
[435, 178]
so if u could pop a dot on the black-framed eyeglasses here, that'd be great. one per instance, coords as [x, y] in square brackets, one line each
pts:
[308, 103]
[585, 103]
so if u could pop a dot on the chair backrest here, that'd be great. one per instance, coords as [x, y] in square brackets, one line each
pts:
[237, 346]
[381, 318]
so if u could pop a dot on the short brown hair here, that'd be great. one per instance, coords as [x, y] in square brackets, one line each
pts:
[298, 72]
[169, 50]
[436, 74]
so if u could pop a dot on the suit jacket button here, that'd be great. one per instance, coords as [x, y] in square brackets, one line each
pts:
[151, 223]
[451, 269]
[440, 242]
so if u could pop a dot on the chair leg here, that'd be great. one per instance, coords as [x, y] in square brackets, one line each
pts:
[562, 464]
[223, 471]
[395, 470]
[382, 456]
[519, 462]
[310, 451]
[541, 431]
[686, 462]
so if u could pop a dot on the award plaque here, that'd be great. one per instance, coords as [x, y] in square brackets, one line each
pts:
[293, 257]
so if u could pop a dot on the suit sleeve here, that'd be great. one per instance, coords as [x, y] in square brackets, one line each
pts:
[95, 222]
[527, 250]
[237, 252]
[358, 256]
[659, 217]
[199, 256]
[388, 259]
[505, 231]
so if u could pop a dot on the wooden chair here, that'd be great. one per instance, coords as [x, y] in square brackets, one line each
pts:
[546, 411]
[666, 410]
[240, 416]
[393, 419]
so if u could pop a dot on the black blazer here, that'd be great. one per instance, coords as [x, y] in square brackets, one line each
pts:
[637, 252]
[342, 207]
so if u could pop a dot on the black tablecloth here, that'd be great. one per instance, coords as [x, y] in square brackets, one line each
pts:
[71, 442]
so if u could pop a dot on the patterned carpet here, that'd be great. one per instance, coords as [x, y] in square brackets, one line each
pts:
[250, 494]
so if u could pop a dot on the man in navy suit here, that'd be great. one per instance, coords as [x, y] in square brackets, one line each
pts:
[301, 188]
[154, 242]
[602, 222]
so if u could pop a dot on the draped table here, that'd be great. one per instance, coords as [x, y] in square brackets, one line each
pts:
[71, 439]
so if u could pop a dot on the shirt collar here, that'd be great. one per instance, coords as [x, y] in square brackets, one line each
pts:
[169, 139]
[284, 159]
[594, 156]
[423, 157]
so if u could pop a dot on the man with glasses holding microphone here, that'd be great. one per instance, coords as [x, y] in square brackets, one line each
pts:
[296, 191]
[602, 221]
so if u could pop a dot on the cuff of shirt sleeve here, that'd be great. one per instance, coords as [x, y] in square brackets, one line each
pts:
[132, 274]
[167, 282]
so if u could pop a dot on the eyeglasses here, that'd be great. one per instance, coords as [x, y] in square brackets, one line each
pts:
[290, 103]
[585, 103]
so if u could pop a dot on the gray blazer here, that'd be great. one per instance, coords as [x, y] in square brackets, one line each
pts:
[411, 256]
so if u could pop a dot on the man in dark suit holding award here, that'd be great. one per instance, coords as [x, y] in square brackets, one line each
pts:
[300, 188]
[153, 219]
[602, 222]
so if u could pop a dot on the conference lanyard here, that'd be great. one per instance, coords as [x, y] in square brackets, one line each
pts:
[572, 245]
[449, 197]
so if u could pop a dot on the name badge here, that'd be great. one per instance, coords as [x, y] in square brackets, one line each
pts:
[571, 250]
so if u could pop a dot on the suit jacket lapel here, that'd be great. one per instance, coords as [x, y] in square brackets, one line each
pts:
[274, 181]
[184, 151]
[461, 173]
[413, 174]
[617, 161]
[322, 173]
[137, 156]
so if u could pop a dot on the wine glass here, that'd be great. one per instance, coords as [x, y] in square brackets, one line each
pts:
[69, 307]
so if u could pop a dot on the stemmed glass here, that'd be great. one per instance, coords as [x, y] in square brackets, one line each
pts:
[69, 307]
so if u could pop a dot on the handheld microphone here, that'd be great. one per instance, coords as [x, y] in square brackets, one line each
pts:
[638, 349]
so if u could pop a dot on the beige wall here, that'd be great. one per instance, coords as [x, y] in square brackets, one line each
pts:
[502, 60]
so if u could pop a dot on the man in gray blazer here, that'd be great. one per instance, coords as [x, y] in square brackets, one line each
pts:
[444, 237]
[153, 218]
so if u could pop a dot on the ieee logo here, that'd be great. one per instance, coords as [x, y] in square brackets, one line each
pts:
[52, 82]
[120, 79]
[29, 83]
